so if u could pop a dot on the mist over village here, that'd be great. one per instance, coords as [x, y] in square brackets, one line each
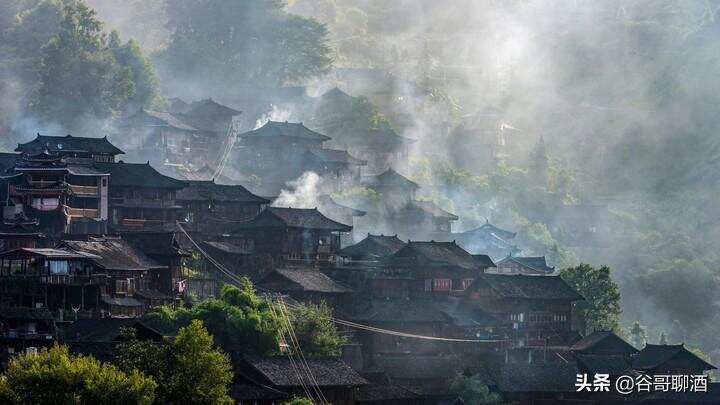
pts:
[298, 202]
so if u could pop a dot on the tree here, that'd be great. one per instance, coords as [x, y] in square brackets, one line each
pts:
[299, 401]
[200, 373]
[315, 330]
[238, 320]
[81, 78]
[53, 376]
[638, 336]
[601, 308]
[190, 370]
[471, 390]
[241, 42]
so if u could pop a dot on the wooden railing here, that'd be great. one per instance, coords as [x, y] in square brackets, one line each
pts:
[141, 222]
[82, 212]
[83, 190]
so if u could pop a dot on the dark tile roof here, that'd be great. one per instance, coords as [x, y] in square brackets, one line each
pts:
[210, 107]
[294, 218]
[327, 371]
[541, 377]
[106, 330]
[434, 253]
[20, 225]
[113, 254]
[385, 138]
[392, 311]
[431, 208]
[484, 261]
[155, 243]
[331, 208]
[274, 129]
[78, 170]
[613, 364]
[531, 287]
[603, 342]
[307, 280]
[535, 263]
[122, 301]
[68, 143]
[652, 356]
[385, 392]
[137, 175]
[227, 247]
[373, 247]
[391, 178]
[489, 229]
[252, 393]
[211, 191]
[8, 160]
[465, 314]
[157, 119]
[25, 313]
[333, 156]
[49, 253]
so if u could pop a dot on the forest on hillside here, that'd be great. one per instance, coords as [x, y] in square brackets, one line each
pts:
[611, 103]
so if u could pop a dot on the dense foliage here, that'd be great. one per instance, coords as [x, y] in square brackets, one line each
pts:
[53, 376]
[316, 332]
[243, 42]
[471, 390]
[601, 307]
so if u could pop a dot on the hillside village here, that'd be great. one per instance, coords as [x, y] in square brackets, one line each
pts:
[91, 243]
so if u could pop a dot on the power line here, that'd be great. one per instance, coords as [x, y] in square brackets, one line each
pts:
[339, 321]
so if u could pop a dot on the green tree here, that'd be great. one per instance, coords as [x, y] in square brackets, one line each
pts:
[315, 330]
[238, 320]
[601, 308]
[53, 376]
[471, 390]
[79, 78]
[299, 401]
[200, 373]
[247, 42]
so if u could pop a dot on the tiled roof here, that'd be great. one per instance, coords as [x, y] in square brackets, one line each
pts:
[334, 156]
[276, 129]
[156, 243]
[434, 253]
[535, 263]
[489, 229]
[432, 209]
[545, 377]
[210, 107]
[652, 356]
[420, 311]
[531, 287]
[603, 342]
[391, 178]
[227, 247]
[68, 143]
[329, 207]
[137, 175]
[157, 119]
[211, 191]
[373, 247]
[51, 253]
[613, 364]
[113, 254]
[106, 330]
[327, 371]
[294, 218]
[309, 280]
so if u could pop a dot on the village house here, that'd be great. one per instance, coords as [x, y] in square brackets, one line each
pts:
[373, 248]
[290, 236]
[24, 330]
[335, 380]
[400, 212]
[308, 285]
[279, 152]
[523, 265]
[140, 197]
[340, 213]
[488, 239]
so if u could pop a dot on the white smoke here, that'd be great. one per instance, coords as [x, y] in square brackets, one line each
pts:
[302, 193]
[276, 114]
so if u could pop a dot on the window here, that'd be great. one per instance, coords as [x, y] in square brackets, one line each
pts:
[122, 286]
[466, 283]
[57, 266]
[442, 284]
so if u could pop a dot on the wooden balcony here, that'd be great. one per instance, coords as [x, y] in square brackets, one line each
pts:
[82, 212]
[43, 183]
[86, 191]
[139, 223]
[142, 203]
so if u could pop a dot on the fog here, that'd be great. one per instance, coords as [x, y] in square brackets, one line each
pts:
[623, 94]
